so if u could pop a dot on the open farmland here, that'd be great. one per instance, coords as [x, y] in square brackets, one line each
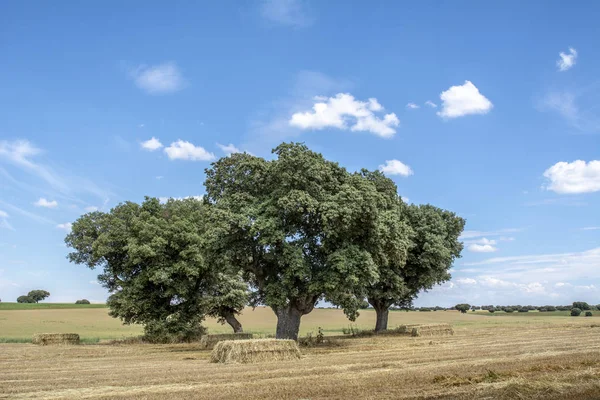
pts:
[512, 356]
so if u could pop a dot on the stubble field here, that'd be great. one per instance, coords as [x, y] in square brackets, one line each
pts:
[533, 356]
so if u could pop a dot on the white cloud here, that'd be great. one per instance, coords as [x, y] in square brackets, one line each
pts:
[42, 202]
[182, 150]
[286, 12]
[463, 100]
[430, 104]
[151, 144]
[159, 177]
[481, 248]
[575, 177]
[66, 226]
[566, 61]
[578, 108]
[91, 209]
[591, 228]
[21, 153]
[94, 282]
[26, 213]
[395, 167]
[158, 79]
[228, 149]
[466, 281]
[3, 214]
[412, 106]
[345, 112]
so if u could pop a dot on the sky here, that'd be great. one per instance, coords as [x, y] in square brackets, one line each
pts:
[491, 110]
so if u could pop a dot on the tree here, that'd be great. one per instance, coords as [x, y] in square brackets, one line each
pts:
[414, 248]
[492, 309]
[582, 305]
[157, 263]
[296, 226]
[588, 313]
[38, 295]
[575, 312]
[25, 299]
[82, 301]
[463, 308]
[508, 310]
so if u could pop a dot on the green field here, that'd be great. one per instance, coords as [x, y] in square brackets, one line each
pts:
[46, 306]
[18, 322]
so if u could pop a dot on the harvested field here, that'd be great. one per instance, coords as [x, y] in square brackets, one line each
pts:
[207, 342]
[534, 360]
[46, 339]
[254, 351]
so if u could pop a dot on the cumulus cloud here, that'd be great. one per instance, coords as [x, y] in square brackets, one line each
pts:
[66, 226]
[228, 149]
[482, 245]
[42, 202]
[286, 12]
[459, 101]
[574, 177]
[430, 104]
[151, 144]
[158, 79]
[345, 112]
[182, 150]
[396, 167]
[567, 60]
[412, 106]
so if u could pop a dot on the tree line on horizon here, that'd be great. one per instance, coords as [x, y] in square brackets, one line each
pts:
[285, 233]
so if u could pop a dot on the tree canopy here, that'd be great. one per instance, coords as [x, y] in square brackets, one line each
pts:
[156, 262]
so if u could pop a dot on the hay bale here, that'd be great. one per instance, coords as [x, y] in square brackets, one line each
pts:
[256, 350]
[431, 330]
[209, 341]
[45, 339]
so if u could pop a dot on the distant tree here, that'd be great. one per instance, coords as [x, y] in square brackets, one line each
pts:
[463, 308]
[492, 309]
[523, 309]
[508, 310]
[598, 307]
[38, 295]
[425, 309]
[82, 301]
[588, 313]
[25, 299]
[582, 305]
[575, 312]
[550, 308]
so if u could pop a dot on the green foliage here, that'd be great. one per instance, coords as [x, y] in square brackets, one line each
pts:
[575, 312]
[508, 310]
[463, 308]
[25, 299]
[38, 295]
[523, 309]
[582, 305]
[175, 329]
[82, 301]
[157, 261]
[492, 309]
[588, 313]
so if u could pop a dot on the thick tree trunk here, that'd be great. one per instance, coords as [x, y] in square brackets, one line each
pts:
[288, 322]
[233, 322]
[382, 319]
[382, 309]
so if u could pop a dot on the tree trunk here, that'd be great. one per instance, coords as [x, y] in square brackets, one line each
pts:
[288, 322]
[382, 309]
[382, 319]
[235, 324]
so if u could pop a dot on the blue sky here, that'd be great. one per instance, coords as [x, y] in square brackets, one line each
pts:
[489, 110]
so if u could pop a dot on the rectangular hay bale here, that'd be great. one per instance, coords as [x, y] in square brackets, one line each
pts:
[209, 341]
[45, 339]
[255, 350]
